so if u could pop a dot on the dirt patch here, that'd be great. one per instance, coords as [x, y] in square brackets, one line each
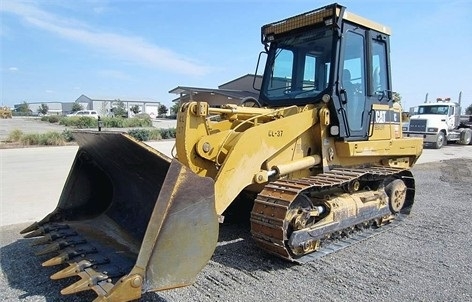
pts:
[457, 172]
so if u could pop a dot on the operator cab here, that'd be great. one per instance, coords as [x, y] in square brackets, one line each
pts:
[332, 56]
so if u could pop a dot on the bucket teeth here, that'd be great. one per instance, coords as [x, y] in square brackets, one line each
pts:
[60, 244]
[30, 228]
[54, 235]
[89, 279]
[42, 230]
[36, 233]
[71, 270]
[60, 259]
[77, 267]
[70, 253]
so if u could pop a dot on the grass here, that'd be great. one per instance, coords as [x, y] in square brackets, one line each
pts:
[42, 139]
[152, 134]
[84, 122]
[54, 138]
[15, 136]
[51, 138]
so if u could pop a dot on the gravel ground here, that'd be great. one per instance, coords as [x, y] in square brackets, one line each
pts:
[427, 258]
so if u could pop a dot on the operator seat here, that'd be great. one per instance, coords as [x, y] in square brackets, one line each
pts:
[347, 84]
[354, 111]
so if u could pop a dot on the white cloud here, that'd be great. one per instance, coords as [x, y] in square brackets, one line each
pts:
[134, 49]
[13, 69]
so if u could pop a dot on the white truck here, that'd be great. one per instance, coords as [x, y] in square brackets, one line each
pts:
[439, 123]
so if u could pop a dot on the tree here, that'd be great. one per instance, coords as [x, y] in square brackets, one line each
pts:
[43, 109]
[162, 110]
[175, 108]
[397, 97]
[77, 107]
[119, 109]
[135, 109]
[23, 108]
[468, 110]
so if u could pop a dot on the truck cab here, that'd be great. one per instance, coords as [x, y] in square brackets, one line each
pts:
[438, 123]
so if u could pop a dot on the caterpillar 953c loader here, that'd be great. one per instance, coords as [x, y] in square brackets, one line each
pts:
[321, 151]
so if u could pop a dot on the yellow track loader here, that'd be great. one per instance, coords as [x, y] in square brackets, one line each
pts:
[5, 112]
[321, 153]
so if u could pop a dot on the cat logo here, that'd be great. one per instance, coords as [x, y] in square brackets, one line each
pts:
[380, 117]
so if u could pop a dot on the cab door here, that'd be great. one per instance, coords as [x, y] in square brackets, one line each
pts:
[385, 117]
[353, 83]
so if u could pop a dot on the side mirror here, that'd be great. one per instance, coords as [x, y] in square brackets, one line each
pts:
[261, 59]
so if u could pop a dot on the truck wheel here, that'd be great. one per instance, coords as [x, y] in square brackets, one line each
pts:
[440, 140]
[466, 137]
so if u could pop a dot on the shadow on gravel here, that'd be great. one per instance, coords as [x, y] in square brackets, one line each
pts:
[237, 249]
[26, 278]
[23, 272]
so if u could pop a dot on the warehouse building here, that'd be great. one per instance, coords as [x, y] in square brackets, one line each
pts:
[102, 106]
[244, 88]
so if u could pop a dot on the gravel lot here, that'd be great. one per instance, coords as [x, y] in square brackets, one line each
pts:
[427, 258]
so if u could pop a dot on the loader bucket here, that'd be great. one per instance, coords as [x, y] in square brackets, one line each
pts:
[129, 220]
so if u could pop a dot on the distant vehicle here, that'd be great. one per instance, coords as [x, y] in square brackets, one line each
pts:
[439, 123]
[89, 113]
[5, 112]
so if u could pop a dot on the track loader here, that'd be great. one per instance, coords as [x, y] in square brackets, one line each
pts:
[321, 152]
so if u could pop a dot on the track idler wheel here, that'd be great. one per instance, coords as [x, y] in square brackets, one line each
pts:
[302, 214]
[396, 192]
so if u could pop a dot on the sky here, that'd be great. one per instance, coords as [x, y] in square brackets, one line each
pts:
[54, 50]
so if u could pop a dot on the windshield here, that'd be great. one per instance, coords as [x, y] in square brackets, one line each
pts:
[298, 68]
[439, 109]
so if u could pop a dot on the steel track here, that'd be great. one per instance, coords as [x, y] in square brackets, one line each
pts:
[268, 225]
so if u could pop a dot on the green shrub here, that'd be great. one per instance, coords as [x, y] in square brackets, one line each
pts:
[86, 122]
[81, 122]
[53, 119]
[139, 134]
[113, 122]
[15, 135]
[50, 118]
[43, 139]
[142, 115]
[67, 121]
[167, 133]
[138, 122]
[155, 135]
[51, 139]
[67, 135]
[30, 139]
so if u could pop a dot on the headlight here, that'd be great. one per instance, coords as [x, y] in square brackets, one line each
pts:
[404, 128]
[432, 129]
